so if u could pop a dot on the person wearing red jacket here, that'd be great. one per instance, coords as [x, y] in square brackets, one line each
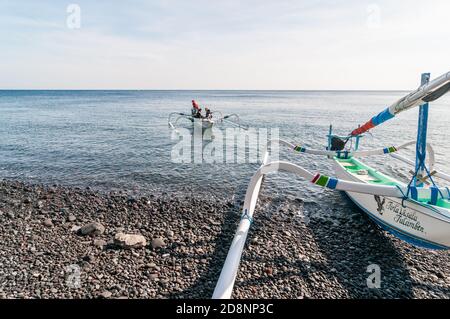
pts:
[196, 110]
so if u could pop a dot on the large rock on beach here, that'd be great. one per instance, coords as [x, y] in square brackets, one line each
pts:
[100, 243]
[48, 222]
[158, 243]
[129, 240]
[92, 229]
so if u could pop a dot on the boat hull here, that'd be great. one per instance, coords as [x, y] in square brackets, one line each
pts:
[420, 224]
[203, 124]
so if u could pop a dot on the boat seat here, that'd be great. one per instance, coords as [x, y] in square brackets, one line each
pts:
[364, 175]
[347, 164]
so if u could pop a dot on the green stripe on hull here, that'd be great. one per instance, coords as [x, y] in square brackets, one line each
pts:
[381, 179]
[323, 180]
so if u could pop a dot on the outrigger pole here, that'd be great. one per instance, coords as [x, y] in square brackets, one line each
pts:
[217, 119]
[421, 149]
[428, 92]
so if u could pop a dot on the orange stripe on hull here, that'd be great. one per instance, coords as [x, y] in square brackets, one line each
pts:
[362, 129]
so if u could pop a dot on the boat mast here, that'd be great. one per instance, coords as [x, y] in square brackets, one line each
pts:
[421, 145]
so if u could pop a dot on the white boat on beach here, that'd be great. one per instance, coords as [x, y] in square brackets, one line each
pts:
[417, 212]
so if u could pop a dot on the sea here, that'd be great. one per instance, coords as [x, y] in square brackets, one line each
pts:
[121, 140]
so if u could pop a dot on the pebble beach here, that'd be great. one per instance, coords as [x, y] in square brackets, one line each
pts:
[61, 242]
[224, 158]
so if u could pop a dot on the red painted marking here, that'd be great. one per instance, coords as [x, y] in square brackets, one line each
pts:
[315, 178]
[362, 129]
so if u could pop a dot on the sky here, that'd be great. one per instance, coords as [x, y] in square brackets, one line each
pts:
[222, 44]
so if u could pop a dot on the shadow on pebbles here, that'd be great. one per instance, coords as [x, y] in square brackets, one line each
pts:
[58, 242]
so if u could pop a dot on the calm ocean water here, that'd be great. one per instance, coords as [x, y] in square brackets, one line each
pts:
[111, 140]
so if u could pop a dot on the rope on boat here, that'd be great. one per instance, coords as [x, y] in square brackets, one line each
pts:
[245, 215]
[405, 197]
[434, 172]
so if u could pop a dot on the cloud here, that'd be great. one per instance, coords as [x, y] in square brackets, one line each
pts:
[223, 44]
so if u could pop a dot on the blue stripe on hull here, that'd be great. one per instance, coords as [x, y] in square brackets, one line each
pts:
[400, 234]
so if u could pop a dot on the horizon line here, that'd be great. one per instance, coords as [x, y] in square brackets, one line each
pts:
[206, 90]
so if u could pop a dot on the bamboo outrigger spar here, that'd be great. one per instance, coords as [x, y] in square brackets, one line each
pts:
[205, 123]
[417, 212]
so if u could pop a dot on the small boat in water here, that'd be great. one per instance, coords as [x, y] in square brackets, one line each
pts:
[417, 212]
[205, 123]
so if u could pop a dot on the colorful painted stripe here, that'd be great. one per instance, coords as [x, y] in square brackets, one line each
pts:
[434, 195]
[382, 117]
[364, 128]
[391, 149]
[300, 149]
[374, 121]
[325, 181]
[414, 192]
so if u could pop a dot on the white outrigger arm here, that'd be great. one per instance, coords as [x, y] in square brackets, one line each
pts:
[219, 118]
[427, 92]
[237, 123]
[228, 275]
[180, 116]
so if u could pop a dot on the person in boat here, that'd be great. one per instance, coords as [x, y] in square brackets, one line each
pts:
[198, 115]
[208, 113]
[195, 109]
